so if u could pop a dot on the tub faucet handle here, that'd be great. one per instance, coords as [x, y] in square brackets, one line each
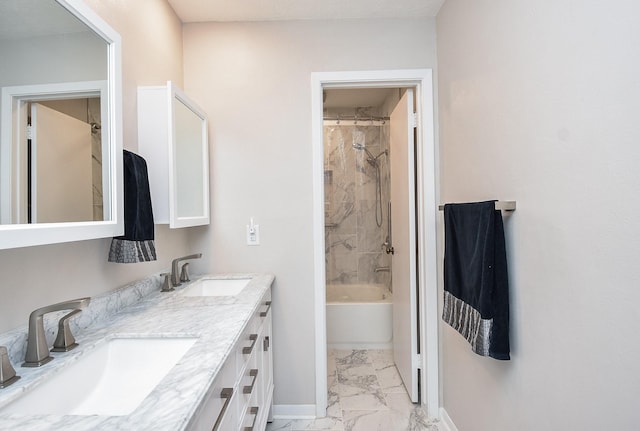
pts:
[7, 372]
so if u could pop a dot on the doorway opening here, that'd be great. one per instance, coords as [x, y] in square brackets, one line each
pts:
[357, 199]
[356, 218]
[33, 188]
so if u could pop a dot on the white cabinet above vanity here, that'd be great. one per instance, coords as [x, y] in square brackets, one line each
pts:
[172, 137]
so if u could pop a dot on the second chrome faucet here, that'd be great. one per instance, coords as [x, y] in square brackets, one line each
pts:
[176, 279]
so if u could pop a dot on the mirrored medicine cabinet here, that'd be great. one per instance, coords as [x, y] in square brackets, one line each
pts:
[60, 124]
[172, 137]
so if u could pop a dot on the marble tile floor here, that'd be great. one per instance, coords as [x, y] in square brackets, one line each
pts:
[365, 394]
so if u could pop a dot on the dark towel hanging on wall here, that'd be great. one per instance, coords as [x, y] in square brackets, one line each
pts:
[136, 245]
[476, 287]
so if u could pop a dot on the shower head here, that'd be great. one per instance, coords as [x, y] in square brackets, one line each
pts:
[371, 159]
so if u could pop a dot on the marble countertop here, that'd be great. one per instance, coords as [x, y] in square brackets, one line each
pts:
[217, 322]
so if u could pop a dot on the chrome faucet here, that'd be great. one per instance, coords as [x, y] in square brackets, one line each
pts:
[37, 349]
[175, 276]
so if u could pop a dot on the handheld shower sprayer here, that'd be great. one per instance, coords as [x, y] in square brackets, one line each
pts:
[373, 161]
[370, 158]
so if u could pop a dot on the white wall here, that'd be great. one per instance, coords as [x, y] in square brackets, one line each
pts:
[37, 276]
[253, 80]
[539, 103]
[46, 59]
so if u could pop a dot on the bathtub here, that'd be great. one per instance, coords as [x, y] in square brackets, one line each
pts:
[359, 316]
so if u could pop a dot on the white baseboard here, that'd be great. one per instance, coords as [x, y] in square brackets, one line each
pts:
[294, 411]
[446, 424]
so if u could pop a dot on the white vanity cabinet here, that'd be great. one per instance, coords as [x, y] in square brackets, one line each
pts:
[265, 393]
[172, 137]
[242, 394]
[258, 372]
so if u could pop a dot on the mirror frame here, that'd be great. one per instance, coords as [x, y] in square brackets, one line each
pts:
[24, 235]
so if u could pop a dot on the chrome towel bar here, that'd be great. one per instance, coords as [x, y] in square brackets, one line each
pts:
[500, 205]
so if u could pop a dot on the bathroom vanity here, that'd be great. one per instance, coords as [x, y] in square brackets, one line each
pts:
[216, 328]
[241, 395]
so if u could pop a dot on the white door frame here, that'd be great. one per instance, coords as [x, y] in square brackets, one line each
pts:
[12, 136]
[422, 81]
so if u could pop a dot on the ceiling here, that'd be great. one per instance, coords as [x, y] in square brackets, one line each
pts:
[28, 18]
[33, 18]
[280, 10]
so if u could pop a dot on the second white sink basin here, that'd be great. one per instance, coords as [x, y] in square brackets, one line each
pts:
[217, 287]
[111, 380]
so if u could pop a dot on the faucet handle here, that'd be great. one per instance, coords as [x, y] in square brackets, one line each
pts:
[65, 340]
[166, 285]
[7, 372]
[184, 274]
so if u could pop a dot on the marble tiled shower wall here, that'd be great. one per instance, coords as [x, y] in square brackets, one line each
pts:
[93, 112]
[353, 239]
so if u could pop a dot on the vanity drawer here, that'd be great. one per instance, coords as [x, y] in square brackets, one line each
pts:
[251, 340]
[248, 345]
[251, 417]
[220, 409]
[251, 379]
[264, 309]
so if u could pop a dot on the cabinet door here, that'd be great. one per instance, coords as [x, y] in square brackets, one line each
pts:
[173, 138]
[266, 365]
[189, 170]
[220, 409]
[251, 418]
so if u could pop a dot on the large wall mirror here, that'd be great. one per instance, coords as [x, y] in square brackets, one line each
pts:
[60, 124]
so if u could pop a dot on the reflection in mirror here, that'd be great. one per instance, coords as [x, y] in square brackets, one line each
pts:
[59, 139]
[60, 123]
[54, 173]
[188, 160]
[62, 129]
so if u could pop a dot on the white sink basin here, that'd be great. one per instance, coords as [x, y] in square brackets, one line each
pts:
[217, 287]
[111, 380]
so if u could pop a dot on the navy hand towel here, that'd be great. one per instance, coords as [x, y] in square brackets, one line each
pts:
[476, 287]
[136, 245]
